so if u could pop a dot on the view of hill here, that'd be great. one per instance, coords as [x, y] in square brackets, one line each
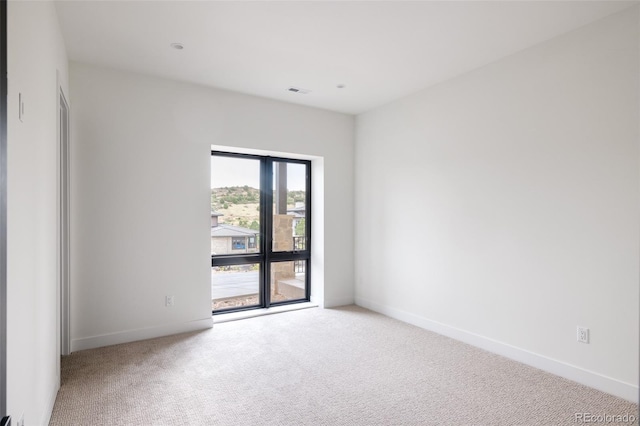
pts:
[222, 198]
[240, 205]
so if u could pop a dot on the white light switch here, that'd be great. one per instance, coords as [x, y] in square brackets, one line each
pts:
[20, 107]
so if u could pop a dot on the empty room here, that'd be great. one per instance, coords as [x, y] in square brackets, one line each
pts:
[319, 212]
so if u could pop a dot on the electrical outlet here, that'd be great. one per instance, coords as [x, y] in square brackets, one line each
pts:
[583, 334]
[169, 301]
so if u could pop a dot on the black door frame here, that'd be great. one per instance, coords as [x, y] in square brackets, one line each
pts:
[266, 256]
[3, 214]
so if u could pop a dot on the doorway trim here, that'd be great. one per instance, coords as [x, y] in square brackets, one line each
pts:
[63, 221]
[3, 214]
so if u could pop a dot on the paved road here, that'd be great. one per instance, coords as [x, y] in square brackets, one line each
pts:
[230, 284]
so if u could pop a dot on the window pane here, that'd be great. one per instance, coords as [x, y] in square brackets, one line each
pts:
[235, 205]
[235, 286]
[288, 280]
[289, 206]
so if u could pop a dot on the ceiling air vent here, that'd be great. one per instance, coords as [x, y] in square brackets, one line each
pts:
[298, 90]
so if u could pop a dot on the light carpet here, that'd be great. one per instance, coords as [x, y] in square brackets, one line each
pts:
[346, 366]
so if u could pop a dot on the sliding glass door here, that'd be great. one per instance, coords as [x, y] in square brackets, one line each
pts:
[260, 231]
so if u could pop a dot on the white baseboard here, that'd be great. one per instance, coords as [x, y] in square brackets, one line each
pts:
[139, 334]
[338, 301]
[594, 380]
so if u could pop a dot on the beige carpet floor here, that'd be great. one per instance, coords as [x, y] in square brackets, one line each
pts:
[345, 366]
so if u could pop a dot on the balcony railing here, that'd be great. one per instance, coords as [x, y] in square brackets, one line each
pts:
[299, 243]
[300, 266]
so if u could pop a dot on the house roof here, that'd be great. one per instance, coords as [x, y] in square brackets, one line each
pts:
[224, 230]
[297, 212]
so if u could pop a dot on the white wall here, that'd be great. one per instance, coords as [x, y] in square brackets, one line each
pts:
[140, 197]
[501, 207]
[36, 54]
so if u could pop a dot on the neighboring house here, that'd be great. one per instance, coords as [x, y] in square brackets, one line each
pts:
[298, 212]
[230, 239]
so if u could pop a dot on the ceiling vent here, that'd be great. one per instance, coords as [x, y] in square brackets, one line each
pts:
[299, 90]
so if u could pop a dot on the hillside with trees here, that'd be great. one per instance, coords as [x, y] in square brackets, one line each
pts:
[240, 205]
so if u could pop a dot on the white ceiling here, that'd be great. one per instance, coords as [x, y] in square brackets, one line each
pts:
[379, 50]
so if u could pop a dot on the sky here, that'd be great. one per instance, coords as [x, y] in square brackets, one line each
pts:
[229, 171]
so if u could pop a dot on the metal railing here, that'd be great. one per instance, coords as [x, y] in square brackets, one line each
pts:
[299, 243]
